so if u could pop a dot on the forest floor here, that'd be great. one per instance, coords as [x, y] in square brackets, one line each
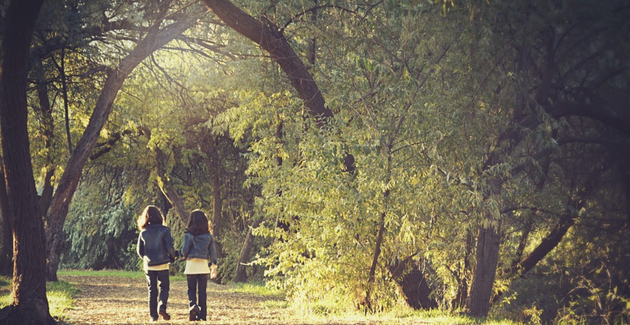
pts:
[123, 300]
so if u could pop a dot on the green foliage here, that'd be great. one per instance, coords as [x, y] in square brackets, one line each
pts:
[424, 103]
[135, 274]
[453, 127]
[333, 217]
[101, 225]
[257, 288]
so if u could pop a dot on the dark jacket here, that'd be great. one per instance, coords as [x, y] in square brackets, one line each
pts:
[200, 246]
[155, 242]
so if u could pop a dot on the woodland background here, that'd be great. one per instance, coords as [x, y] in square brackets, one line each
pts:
[461, 155]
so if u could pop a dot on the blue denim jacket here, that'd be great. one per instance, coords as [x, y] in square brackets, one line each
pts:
[155, 242]
[200, 246]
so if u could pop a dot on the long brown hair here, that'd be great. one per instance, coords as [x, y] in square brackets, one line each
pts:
[198, 223]
[150, 216]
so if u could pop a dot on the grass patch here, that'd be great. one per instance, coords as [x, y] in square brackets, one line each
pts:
[60, 295]
[396, 317]
[257, 288]
[115, 273]
[5, 291]
[112, 273]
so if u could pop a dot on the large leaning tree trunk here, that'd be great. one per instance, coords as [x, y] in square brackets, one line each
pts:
[155, 38]
[273, 41]
[29, 302]
[270, 39]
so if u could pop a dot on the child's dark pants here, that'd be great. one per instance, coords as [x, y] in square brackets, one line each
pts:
[197, 283]
[155, 279]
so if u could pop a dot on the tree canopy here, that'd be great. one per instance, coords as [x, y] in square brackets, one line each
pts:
[457, 155]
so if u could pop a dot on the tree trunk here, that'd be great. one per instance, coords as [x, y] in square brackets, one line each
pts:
[413, 284]
[167, 188]
[48, 127]
[377, 253]
[6, 251]
[214, 169]
[241, 274]
[416, 290]
[547, 245]
[462, 278]
[30, 304]
[487, 256]
[62, 71]
[312, 44]
[59, 206]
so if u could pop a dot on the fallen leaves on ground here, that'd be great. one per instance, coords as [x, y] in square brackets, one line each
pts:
[118, 300]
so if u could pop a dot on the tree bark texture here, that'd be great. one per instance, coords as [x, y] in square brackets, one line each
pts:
[487, 257]
[30, 304]
[58, 210]
[6, 251]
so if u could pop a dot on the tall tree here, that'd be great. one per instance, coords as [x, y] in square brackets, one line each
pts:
[30, 304]
[157, 35]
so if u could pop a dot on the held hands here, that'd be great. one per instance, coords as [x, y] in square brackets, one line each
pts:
[213, 271]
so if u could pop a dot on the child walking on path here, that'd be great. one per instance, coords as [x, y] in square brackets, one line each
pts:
[155, 247]
[198, 250]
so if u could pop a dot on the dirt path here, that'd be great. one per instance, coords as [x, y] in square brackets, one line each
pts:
[117, 300]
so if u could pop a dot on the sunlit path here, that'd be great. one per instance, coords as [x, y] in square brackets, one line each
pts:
[118, 300]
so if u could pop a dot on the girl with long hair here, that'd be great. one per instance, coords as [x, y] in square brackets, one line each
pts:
[201, 260]
[155, 247]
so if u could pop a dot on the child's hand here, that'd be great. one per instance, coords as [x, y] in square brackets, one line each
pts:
[213, 271]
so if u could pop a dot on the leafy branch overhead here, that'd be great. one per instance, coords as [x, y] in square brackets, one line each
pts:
[485, 144]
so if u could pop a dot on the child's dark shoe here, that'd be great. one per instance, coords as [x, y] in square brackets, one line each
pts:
[193, 314]
[164, 315]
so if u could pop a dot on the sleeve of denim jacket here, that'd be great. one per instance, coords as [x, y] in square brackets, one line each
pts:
[213, 252]
[185, 246]
[140, 246]
[168, 244]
